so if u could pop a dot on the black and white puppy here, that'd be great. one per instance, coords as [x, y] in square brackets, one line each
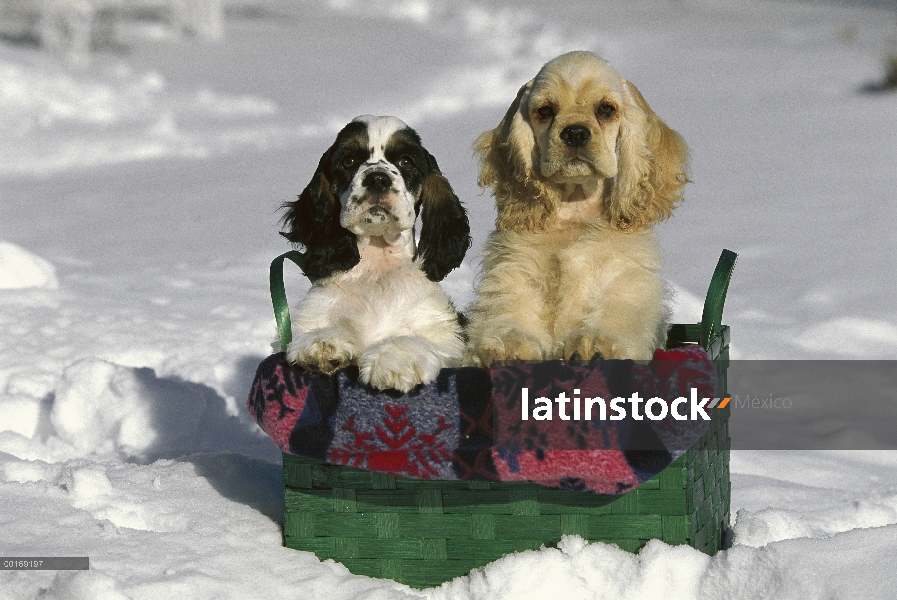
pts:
[374, 299]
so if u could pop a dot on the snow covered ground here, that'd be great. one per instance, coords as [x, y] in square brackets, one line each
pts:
[138, 214]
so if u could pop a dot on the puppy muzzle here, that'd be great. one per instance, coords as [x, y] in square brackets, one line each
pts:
[377, 182]
[575, 136]
[376, 206]
[379, 193]
[575, 155]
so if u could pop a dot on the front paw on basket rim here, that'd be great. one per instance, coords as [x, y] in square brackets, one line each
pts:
[576, 360]
[596, 347]
[400, 364]
[319, 355]
[514, 345]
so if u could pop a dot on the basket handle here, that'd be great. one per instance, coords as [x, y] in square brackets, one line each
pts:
[279, 296]
[712, 319]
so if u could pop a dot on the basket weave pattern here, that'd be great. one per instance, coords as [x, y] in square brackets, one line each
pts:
[425, 532]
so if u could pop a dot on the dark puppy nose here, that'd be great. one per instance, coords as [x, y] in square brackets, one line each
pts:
[576, 136]
[377, 182]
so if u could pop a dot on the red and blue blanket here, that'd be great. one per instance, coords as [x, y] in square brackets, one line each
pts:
[468, 424]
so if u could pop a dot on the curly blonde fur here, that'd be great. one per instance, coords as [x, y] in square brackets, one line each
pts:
[522, 199]
[652, 171]
[581, 169]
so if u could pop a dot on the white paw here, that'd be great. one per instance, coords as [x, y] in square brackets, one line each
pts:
[399, 363]
[321, 350]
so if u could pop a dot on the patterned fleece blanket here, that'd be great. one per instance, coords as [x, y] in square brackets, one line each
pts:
[469, 423]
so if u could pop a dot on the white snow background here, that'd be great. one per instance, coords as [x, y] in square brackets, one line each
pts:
[139, 199]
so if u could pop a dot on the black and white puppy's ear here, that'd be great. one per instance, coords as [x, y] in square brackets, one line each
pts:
[313, 220]
[445, 231]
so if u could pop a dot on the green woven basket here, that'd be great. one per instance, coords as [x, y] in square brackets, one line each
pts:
[423, 533]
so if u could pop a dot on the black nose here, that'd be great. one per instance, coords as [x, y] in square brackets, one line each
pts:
[377, 182]
[576, 136]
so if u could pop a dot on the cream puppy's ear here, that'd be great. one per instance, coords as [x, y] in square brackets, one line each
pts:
[652, 170]
[506, 156]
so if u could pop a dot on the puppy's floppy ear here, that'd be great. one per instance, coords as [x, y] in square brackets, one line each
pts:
[313, 221]
[445, 231]
[652, 171]
[522, 200]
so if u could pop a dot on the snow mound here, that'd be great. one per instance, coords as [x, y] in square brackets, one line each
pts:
[20, 269]
[762, 527]
[109, 411]
[82, 585]
[21, 414]
[584, 570]
[100, 408]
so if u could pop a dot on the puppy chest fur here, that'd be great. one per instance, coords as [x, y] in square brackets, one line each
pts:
[395, 303]
[554, 282]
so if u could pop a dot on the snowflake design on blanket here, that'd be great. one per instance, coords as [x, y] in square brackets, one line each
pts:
[410, 437]
[466, 424]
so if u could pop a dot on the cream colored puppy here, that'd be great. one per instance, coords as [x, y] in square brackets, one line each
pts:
[581, 169]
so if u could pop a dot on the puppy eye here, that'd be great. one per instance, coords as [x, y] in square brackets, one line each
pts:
[605, 111]
[349, 162]
[406, 163]
[546, 112]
